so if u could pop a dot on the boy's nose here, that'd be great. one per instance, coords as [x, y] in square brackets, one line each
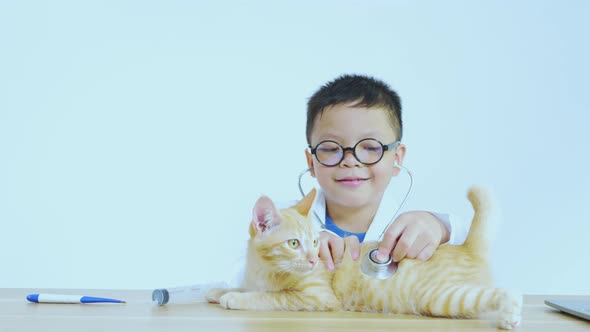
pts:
[349, 159]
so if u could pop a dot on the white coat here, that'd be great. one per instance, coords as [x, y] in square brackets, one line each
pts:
[458, 228]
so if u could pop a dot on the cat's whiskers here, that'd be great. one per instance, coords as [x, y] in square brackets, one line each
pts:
[297, 267]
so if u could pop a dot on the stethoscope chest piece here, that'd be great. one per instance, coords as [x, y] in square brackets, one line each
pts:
[375, 269]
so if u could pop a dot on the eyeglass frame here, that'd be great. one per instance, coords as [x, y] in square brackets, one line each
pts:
[384, 147]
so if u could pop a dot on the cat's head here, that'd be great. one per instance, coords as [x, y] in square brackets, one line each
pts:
[285, 240]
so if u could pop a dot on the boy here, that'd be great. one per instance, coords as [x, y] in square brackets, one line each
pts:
[354, 128]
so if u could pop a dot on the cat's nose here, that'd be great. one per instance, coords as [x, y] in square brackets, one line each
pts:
[313, 261]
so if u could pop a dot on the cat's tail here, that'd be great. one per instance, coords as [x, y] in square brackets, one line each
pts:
[480, 231]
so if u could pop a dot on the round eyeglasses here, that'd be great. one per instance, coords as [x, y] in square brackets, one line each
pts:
[367, 151]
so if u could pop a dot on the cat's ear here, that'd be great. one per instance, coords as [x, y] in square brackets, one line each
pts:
[304, 205]
[264, 216]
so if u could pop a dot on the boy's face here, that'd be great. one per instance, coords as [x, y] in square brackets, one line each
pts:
[351, 183]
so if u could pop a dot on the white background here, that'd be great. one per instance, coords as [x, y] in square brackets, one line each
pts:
[135, 136]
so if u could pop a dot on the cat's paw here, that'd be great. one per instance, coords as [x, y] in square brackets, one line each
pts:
[509, 315]
[214, 294]
[234, 300]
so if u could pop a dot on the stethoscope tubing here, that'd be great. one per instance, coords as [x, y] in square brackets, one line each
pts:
[396, 212]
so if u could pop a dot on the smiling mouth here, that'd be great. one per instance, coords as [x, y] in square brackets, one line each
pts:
[352, 180]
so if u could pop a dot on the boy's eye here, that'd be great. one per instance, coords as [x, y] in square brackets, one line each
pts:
[372, 148]
[315, 242]
[293, 243]
[329, 150]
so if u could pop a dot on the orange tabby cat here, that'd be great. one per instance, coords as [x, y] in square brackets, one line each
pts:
[283, 273]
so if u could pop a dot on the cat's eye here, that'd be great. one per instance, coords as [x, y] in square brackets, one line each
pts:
[315, 242]
[293, 243]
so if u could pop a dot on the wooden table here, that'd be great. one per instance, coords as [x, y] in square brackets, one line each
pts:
[139, 314]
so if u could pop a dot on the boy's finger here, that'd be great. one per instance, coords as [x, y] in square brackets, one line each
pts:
[325, 255]
[427, 252]
[337, 249]
[403, 244]
[419, 244]
[389, 240]
[353, 245]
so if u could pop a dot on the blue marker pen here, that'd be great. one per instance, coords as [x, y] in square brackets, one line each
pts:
[59, 298]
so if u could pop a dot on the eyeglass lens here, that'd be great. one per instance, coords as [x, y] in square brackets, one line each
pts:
[367, 151]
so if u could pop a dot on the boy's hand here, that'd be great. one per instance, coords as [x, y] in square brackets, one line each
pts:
[414, 234]
[332, 248]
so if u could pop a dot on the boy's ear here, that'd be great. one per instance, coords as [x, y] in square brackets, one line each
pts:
[309, 158]
[400, 154]
[304, 205]
[264, 216]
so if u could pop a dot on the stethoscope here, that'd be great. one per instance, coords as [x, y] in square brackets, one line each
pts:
[370, 266]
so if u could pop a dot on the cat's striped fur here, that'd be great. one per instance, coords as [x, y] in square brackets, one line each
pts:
[455, 282]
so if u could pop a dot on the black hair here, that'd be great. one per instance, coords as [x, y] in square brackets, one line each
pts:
[364, 91]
